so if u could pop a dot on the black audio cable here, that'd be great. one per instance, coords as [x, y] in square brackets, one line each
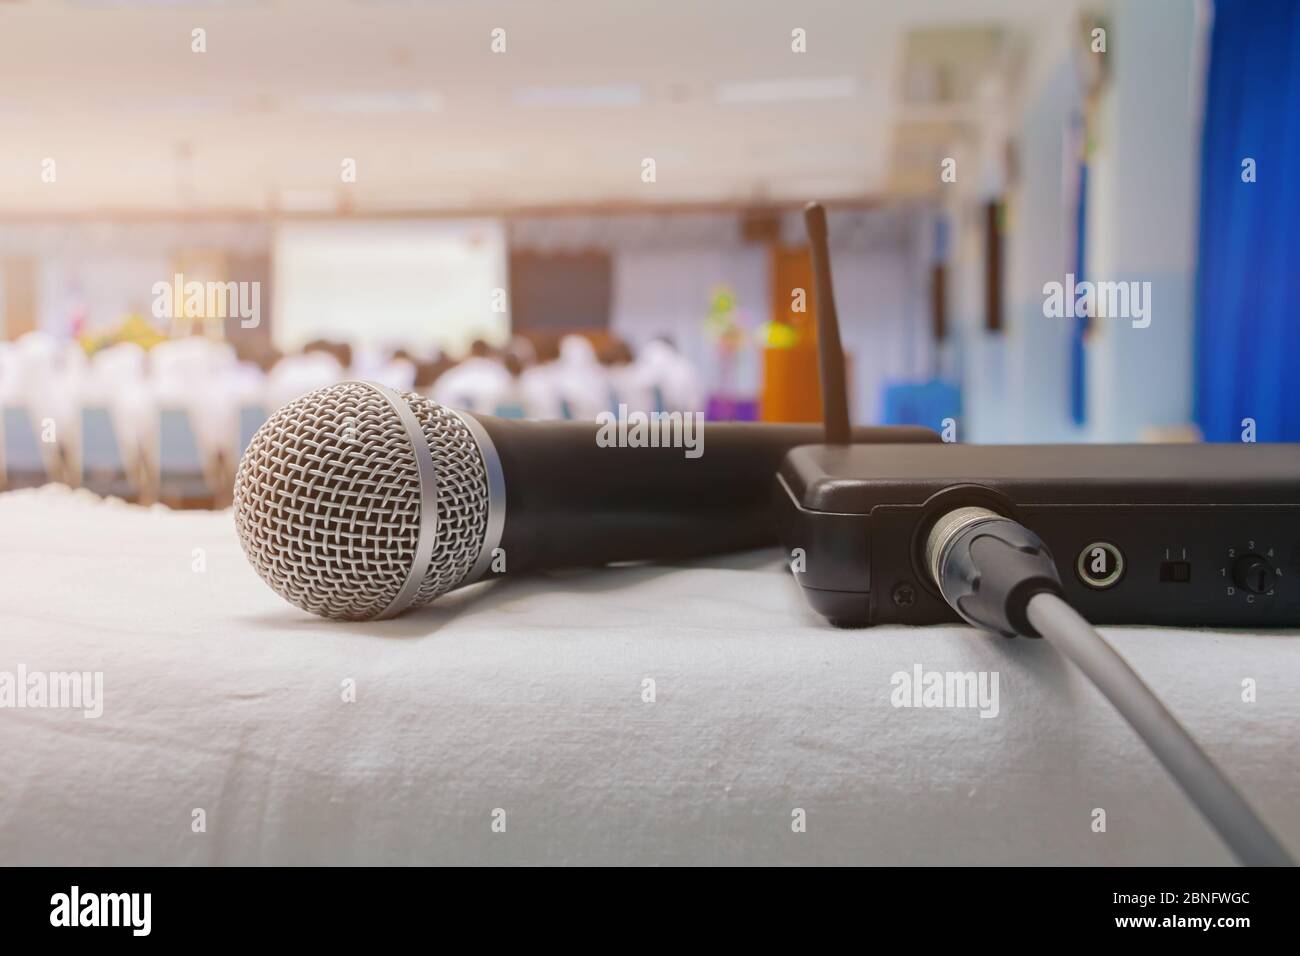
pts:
[998, 575]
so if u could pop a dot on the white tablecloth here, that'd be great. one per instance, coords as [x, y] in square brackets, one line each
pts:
[521, 703]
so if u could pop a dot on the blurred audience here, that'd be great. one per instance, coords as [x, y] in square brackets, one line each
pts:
[478, 384]
[583, 386]
[539, 387]
[224, 395]
[672, 374]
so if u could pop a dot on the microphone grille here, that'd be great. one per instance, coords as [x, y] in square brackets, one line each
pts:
[327, 501]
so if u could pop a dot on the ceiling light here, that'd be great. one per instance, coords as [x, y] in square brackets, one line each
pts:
[627, 94]
[354, 102]
[789, 91]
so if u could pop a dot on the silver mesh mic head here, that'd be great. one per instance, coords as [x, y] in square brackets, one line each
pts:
[355, 502]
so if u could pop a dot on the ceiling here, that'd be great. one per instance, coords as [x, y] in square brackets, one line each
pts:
[585, 91]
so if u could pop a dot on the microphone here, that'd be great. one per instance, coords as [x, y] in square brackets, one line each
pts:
[357, 503]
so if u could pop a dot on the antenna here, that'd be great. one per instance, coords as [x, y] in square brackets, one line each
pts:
[830, 354]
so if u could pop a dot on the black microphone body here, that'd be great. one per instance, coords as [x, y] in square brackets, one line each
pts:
[571, 502]
[357, 502]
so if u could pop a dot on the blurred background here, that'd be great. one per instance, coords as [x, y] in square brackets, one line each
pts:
[549, 209]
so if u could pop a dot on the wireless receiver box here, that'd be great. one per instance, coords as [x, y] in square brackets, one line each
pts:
[1202, 535]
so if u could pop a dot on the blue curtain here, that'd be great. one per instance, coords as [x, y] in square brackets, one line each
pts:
[1079, 335]
[1248, 271]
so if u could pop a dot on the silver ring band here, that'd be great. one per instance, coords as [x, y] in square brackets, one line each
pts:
[428, 532]
[496, 518]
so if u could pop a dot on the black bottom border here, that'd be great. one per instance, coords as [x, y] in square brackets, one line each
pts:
[333, 905]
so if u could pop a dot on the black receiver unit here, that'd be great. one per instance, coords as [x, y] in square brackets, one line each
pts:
[1141, 534]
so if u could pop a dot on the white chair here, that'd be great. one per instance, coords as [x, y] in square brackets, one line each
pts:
[183, 474]
[539, 392]
[475, 385]
[102, 465]
[633, 388]
[662, 367]
[251, 418]
[24, 463]
[581, 380]
[295, 375]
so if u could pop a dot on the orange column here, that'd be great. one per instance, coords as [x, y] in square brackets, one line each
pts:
[791, 388]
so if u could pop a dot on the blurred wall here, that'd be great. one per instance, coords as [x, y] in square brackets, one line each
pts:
[1144, 205]
[88, 275]
[1140, 224]
[667, 269]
